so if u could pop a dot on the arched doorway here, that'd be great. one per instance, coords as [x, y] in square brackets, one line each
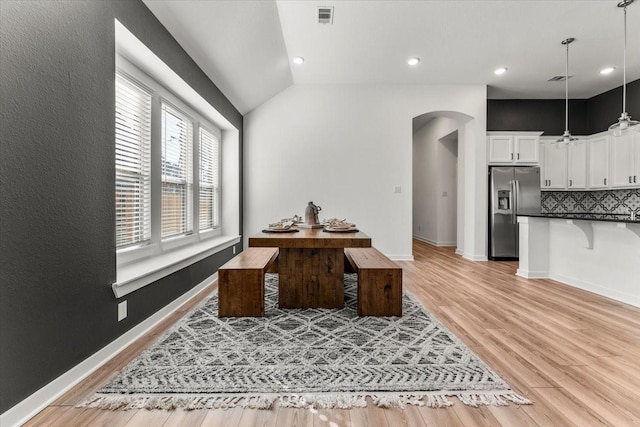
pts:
[439, 177]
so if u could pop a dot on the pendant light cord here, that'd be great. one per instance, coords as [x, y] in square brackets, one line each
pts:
[566, 92]
[624, 64]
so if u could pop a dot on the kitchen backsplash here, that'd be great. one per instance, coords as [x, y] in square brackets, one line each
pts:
[606, 201]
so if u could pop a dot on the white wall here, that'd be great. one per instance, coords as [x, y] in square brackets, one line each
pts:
[434, 173]
[447, 191]
[346, 146]
[425, 212]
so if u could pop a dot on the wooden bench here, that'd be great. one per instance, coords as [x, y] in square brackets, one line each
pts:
[379, 282]
[241, 282]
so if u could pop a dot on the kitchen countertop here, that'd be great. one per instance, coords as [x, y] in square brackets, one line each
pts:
[589, 217]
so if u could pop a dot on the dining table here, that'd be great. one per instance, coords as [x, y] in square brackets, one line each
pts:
[311, 264]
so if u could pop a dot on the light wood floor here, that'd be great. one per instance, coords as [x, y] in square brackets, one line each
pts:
[574, 354]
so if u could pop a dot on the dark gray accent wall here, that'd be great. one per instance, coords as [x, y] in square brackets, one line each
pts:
[604, 109]
[546, 115]
[586, 116]
[57, 242]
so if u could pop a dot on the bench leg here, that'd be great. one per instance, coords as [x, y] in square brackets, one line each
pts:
[240, 293]
[380, 292]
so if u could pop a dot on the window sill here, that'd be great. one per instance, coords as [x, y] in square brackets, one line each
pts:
[136, 275]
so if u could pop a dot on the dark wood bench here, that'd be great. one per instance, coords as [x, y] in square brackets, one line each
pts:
[379, 282]
[241, 282]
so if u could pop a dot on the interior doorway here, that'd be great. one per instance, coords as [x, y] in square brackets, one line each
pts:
[436, 181]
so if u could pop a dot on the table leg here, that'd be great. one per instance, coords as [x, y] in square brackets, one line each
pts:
[311, 278]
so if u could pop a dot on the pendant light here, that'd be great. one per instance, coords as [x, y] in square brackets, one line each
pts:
[566, 137]
[625, 123]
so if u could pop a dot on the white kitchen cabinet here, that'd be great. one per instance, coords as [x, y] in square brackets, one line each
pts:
[513, 148]
[598, 162]
[625, 160]
[577, 165]
[541, 163]
[636, 178]
[526, 149]
[554, 166]
[501, 149]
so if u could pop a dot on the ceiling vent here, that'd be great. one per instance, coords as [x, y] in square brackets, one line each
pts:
[325, 15]
[558, 78]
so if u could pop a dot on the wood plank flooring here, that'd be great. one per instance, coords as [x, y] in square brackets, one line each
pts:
[575, 354]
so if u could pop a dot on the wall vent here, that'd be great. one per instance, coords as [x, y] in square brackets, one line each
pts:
[325, 15]
[558, 79]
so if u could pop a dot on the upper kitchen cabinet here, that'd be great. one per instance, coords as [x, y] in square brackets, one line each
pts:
[625, 160]
[577, 164]
[514, 147]
[598, 161]
[553, 165]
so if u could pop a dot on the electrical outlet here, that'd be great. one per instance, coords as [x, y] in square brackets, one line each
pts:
[397, 189]
[445, 194]
[234, 249]
[122, 310]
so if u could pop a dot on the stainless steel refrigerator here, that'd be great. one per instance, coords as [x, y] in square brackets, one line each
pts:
[513, 191]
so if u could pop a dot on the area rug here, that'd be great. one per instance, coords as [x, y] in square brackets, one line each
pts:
[321, 358]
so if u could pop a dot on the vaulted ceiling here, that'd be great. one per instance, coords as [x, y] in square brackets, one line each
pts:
[246, 47]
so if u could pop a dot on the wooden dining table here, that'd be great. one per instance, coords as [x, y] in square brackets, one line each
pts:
[311, 265]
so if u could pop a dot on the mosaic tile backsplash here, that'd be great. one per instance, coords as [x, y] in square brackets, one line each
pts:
[600, 202]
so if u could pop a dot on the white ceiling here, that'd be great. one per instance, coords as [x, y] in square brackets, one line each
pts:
[246, 47]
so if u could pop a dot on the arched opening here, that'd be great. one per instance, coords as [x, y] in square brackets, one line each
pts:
[439, 145]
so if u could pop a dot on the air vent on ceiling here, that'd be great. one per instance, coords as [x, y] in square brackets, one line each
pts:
[558, 79]
[325, 15]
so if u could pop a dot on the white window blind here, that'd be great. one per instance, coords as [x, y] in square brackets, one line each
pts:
[209, 181]
[177, 174]
[133, 163]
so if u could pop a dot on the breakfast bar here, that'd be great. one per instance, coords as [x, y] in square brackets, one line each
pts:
[596, 252]
[311, 265]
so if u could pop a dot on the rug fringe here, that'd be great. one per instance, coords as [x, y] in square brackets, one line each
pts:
[307, 401]
[492, 399]
[323, 401]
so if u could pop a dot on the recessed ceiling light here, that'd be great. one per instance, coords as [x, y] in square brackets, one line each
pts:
[607, 70]
[500, 71]
[413, 61]
[298, 60]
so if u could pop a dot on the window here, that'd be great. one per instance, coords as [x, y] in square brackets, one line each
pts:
[133, 163]
[178, 159]
[177, 176]
[209, 180]
[167, 169]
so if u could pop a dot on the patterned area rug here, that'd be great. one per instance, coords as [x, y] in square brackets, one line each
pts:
[323, 358]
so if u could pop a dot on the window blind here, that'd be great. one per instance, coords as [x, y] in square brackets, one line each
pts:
[177, 174]
[133, 163]
[209, 180]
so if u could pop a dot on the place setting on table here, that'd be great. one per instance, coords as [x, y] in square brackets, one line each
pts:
[285, 225]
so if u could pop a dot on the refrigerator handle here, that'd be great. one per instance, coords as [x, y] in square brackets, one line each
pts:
[515, 190]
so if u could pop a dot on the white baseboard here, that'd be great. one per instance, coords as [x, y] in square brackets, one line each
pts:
[433, 242]
[532, 274]
[597, 289]
[425, 240]
[472, 257]
[29, 407]
[459, 252]
[400, 257]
